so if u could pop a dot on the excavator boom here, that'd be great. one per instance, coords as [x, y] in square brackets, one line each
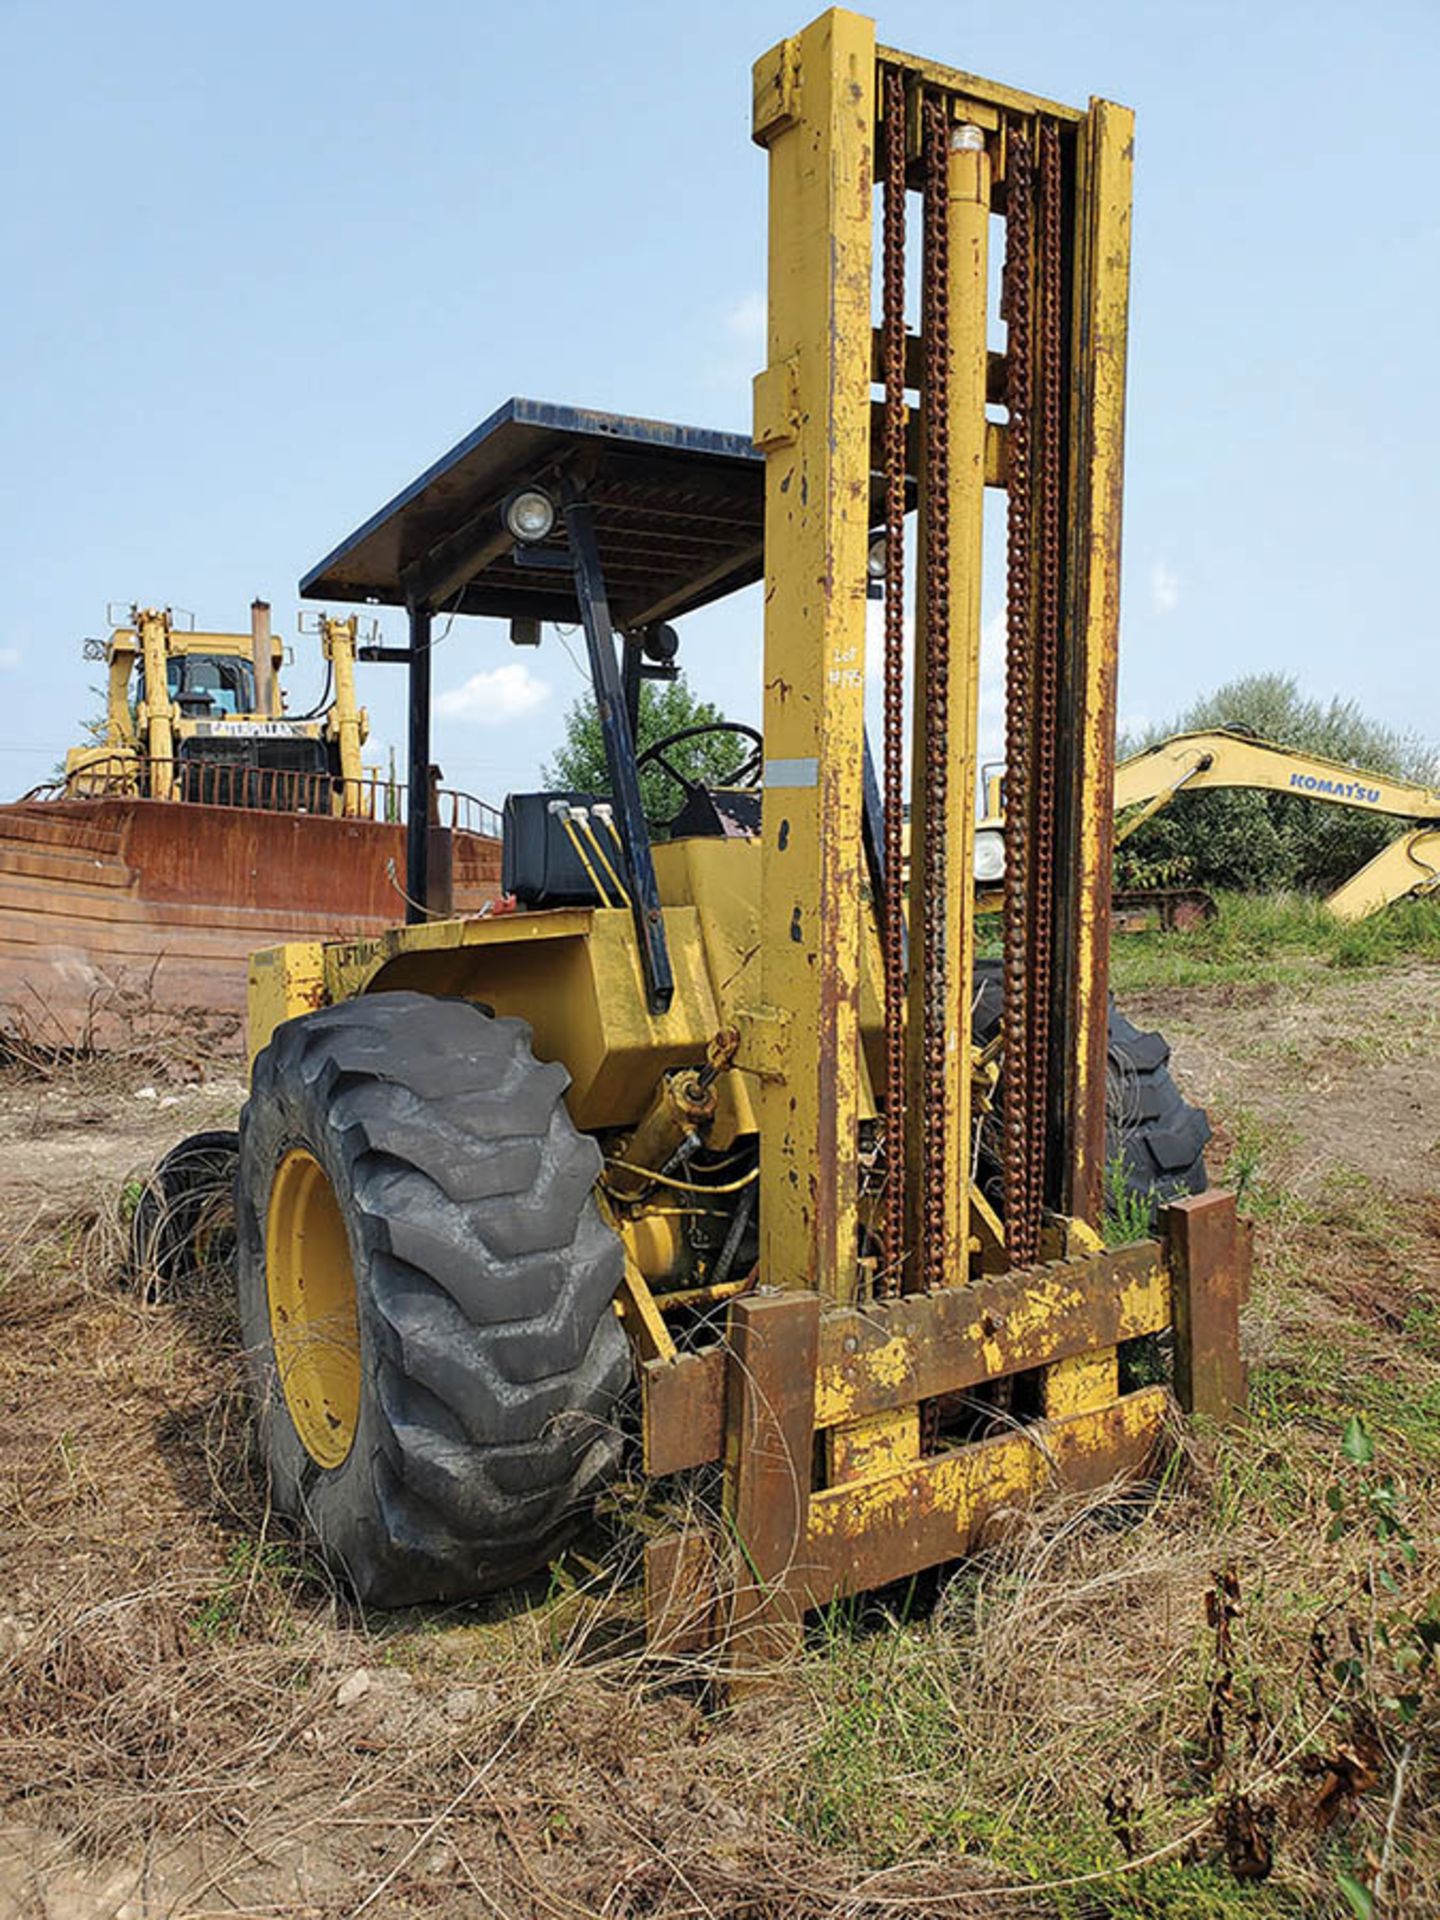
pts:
[1193, 762]
[1221, 758]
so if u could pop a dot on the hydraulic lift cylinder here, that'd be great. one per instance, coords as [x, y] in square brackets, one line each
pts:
[154, 629]
[339, 646]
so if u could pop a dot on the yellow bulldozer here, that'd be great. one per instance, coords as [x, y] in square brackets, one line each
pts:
[207, 818]
[202, 717]
[715, 1156]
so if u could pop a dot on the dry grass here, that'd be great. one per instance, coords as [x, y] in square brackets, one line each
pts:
[1098, 1719]
[126, 1033]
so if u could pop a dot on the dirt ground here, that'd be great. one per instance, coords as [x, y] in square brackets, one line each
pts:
[83, 1133]
[193, 1722]
[1347, 1068]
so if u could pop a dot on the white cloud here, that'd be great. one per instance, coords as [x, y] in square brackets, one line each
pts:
[1164, 587]
[10, 657]
[495, 696]
[746, 319]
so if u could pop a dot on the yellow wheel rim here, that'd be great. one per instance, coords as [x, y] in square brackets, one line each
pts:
[314, 1321]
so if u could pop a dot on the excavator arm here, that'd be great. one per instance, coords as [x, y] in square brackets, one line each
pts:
[1199, 762]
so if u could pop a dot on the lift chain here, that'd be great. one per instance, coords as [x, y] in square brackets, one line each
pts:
[1034, 313]
[934, 713]
[890, 1278]
[1049, 480]
[1021, 1229]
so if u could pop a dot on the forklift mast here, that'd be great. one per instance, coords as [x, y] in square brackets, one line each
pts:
[1038, 414]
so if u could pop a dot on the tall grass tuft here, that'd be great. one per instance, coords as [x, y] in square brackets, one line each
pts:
[1262, 936]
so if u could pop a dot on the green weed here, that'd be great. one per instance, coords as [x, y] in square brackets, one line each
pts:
[1256, 1144]
[1129, 1216]
[257, 1575]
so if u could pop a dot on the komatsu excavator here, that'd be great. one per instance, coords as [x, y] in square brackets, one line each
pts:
[1230, 757]
[1234, 759]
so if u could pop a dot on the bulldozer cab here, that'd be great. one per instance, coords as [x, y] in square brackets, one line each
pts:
[205, 686]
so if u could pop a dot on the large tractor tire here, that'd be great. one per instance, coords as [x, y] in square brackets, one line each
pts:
[1152, 1132]
[426, 1295]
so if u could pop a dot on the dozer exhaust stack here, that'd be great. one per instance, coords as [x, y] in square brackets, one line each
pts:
[262, 653]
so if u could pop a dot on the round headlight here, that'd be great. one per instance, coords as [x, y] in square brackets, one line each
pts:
[529, 515]
[875, 558]
[989, 856]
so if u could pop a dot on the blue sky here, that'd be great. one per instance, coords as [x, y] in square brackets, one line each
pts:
[266, 263]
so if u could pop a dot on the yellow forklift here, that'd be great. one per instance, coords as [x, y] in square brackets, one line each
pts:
[712, 1158]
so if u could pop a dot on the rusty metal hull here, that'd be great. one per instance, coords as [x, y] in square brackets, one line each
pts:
[120, 912]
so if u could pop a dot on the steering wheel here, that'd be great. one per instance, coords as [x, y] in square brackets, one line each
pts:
[746, 773]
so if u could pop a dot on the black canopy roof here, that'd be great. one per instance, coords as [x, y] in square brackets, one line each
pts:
[679, 516]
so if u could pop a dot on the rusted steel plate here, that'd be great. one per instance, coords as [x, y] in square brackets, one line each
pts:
[1209, 1250]
[924, 1345]
[918, 1347]
[683, 1406]
[113, 910]
[769, 1441]
[883, 1529]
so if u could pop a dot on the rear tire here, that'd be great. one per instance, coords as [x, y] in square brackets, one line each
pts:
[447, 1435]
[1152, 1132]
[1151, 1129]
[183, 1225]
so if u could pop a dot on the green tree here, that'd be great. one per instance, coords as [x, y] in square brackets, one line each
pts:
[1262, 842]
[666, 707]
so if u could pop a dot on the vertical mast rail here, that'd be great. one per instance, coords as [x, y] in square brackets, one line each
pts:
[1099, 327]
[814, 112]
[955, 363]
